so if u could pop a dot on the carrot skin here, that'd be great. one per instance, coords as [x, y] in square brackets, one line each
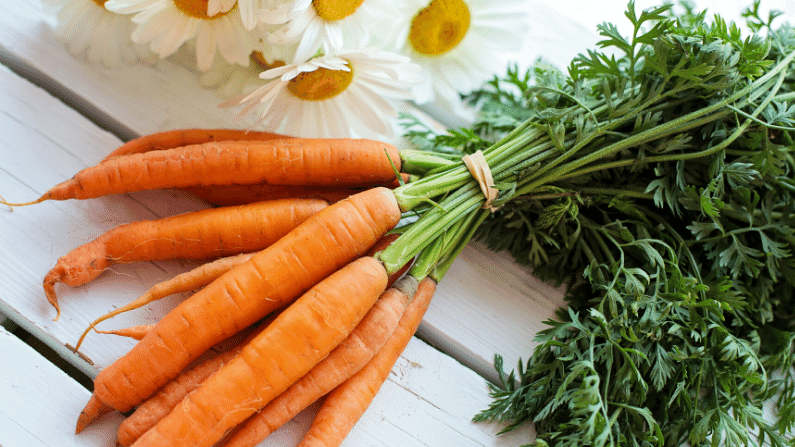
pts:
[158, 406]
[291, 161]
[268, 281]
[344, 361]
[287, 349]
[344, 406]
[171, 139]
[161, 403]
[229, 195]
[204, 234]
[93, 410]
[368, 337]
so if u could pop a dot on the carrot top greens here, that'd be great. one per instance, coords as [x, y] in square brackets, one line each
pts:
[655, 178]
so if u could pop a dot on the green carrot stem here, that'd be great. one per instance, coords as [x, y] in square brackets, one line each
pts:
[421, 162]
[460, 242]
[430, 225]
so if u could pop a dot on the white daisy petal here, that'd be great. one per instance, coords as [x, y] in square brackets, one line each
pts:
[247, 16]
[494, 28]
[310, 42]
[166, 28]
[332, 34]
[215, 7]
[205, 47]
[365, 101]
[132, 6]
[91, 31]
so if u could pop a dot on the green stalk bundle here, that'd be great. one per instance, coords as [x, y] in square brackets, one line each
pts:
[654, 179]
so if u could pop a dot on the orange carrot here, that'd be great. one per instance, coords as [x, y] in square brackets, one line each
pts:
[344, 361]
[287, 349]
[268, 281]
[184, 282]
[171, 139]
[227, 195]
[344, 406]
[291, 161]
[134, 332]
[158, 406]
[204, 234]
[161, 403]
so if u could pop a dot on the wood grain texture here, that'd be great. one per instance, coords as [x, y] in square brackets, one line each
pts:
[36, 397]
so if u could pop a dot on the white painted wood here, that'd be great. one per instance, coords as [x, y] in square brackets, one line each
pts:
[428, 400]
[39, 402]
[420, 382]
[37, 154]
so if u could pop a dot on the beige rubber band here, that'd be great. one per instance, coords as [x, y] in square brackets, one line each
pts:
[479, 168]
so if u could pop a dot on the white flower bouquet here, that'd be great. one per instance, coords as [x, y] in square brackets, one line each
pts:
[309, 68]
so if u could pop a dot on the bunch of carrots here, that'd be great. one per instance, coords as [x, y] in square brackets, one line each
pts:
[293, 253]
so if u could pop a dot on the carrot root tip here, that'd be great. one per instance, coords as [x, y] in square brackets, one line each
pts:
[93, 410]
[32, 202]
[49, 291]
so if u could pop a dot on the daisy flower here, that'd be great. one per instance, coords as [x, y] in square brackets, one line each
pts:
[91, 31]
[167, 24]
[458, 43]
[247, 9]
[350, 94]
[229, 80]
[329, 25]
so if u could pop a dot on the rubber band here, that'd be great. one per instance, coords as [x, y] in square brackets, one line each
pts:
[479, 168]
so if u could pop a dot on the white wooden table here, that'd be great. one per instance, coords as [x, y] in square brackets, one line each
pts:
[59, 114]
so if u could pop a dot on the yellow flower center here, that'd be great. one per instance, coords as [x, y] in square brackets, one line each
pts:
[196, 8]
[320, 84]
[100, 2]
[259, 58]
[331, 10]
[439, 27]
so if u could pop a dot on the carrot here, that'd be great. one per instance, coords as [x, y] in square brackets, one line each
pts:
[344, 406]
[368, 337]
[158, 406]
[291, 161]
[204, 234]
[344, 361]
[134, 332]
[184, 282]
[287, 349]
[227, 195]
[268, 281]
[161, 403]
[170, 139]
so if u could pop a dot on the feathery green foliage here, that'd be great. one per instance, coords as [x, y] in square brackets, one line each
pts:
[655, 177]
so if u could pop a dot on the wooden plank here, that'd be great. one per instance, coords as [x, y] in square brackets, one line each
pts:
[35, 155]
[427, 401]
[39, 402]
